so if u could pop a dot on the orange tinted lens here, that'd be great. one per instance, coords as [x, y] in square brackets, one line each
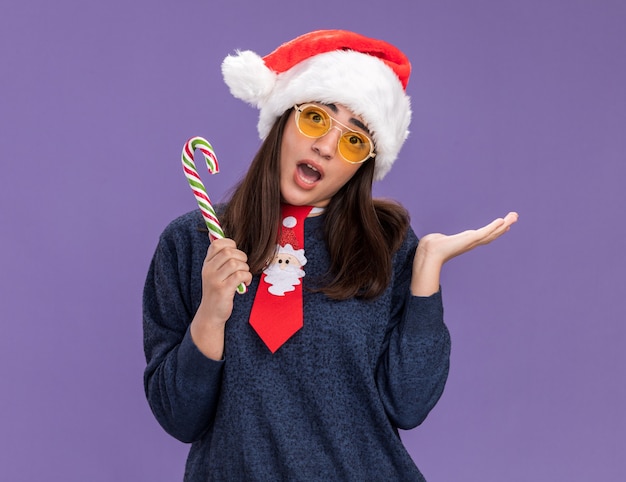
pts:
[355, 147]
[313, 121]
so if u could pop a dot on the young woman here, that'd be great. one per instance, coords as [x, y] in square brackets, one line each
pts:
[340, 340]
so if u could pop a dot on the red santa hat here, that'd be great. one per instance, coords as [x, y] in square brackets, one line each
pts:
[366, 75]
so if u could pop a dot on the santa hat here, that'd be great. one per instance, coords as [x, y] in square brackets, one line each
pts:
[366, 75]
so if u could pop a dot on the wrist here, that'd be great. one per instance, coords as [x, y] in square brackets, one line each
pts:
[426, 274]
[207, 315]
[208, 335]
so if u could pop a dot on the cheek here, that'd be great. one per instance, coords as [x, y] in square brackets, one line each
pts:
[345, 173]
[287, 151]
[283, 165]
[290, 137]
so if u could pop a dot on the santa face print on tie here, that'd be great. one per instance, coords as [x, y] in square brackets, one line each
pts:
[285, 270]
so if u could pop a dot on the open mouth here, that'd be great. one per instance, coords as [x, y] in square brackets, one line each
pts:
[308, 173]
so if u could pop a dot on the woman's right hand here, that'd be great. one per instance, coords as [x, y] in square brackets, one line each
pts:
[224, 268]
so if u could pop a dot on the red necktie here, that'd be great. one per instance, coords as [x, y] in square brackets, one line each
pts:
[277, 310]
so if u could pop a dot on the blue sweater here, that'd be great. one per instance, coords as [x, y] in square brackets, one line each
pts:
[326, 406]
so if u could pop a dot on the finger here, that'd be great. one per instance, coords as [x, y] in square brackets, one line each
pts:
[239, 277]
[229, 266]
[219, 244]
[224, 248]
[224, 258]
[226, 254]
[508, 220]
[511, 218]
[487, 233]
[232, 282]
[501, 226]
[479, 235]
[225, 282]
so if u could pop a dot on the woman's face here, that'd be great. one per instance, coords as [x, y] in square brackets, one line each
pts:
[312, 170]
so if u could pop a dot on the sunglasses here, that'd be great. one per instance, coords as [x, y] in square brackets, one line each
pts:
[314, 122]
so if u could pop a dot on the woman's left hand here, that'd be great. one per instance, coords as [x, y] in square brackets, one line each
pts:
[434, 250]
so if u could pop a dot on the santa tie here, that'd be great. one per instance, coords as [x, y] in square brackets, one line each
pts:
[277, 310]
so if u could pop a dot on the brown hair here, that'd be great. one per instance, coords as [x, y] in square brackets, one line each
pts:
[361, 233]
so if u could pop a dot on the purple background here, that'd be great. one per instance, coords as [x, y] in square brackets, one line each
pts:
[518, 105]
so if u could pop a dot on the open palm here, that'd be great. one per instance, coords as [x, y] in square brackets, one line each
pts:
[445, 247]
[435, 249]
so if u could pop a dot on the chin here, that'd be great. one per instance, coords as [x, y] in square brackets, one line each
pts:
[298, 201]
[296, 197]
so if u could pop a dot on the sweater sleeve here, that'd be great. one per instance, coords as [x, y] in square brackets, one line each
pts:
[413, 366]
[181, 384]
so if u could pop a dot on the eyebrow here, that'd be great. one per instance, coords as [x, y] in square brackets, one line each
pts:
[354, 121]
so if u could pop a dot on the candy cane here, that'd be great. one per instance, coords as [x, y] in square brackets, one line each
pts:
[198, 189]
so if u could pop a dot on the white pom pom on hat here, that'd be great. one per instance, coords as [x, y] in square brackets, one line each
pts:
[366, 75]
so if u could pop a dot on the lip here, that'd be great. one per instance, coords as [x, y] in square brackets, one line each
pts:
[303, 183]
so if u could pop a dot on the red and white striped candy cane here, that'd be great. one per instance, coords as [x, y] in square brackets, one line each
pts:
[198, 189]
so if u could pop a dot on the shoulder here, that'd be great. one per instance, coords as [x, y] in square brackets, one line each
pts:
[184, 224]
[408, 246]
[186, 232]
[395, 222]
[391, 212]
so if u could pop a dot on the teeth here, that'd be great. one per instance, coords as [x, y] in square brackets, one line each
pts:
[311, 167]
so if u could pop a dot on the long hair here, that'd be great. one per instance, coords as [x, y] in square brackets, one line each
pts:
[361, 233]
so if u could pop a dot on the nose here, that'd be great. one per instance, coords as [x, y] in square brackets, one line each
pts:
[326, 146]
